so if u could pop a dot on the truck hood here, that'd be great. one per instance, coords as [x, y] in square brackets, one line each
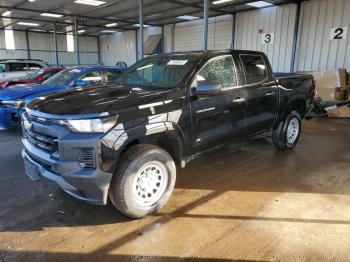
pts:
[22, 90]
[108, 100]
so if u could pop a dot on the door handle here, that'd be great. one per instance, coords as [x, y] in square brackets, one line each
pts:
[270, 93]
[238, 100]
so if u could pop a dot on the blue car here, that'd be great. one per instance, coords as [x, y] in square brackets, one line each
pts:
[14, 98]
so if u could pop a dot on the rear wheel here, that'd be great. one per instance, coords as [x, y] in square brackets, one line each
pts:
[286, 135]
[143, 182]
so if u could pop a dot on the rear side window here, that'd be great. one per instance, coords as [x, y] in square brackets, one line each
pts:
[255, 68]
[219, 70]
[92, 78]
[3, 68]
[18, 67]
[33, 66]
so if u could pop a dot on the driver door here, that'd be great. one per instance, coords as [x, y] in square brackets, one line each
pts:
[217, 116]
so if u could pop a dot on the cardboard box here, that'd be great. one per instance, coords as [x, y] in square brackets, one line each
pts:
[331, 85]
[343, 111]
[327, 94]
[340, 95]
[331, 79]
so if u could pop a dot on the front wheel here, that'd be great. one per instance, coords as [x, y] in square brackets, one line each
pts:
[286, 135]
[143, 182]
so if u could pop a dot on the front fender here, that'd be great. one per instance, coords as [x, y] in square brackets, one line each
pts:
[145, 130]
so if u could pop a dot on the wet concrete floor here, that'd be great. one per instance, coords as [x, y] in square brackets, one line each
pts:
[246, 202]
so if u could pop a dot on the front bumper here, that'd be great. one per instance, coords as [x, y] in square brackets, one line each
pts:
[64, 166]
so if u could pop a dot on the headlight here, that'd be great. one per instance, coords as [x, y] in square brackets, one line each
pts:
[13, 104]
[98, 125]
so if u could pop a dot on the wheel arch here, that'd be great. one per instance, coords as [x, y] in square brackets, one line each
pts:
[165, 135]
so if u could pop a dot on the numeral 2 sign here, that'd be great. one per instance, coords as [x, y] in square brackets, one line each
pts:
[339, 33]
[267, 38]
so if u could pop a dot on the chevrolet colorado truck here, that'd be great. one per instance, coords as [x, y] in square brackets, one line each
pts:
[124, 142]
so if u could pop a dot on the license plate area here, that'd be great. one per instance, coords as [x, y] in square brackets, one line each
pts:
[31, 170]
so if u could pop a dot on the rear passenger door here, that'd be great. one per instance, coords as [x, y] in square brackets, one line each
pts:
[262, 93]
[217, 118]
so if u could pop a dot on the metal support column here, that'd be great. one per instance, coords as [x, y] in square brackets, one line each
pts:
[233, 39]
[98, 50]
[141, 28]
[55, 43]
[77, 40]
[136, 46]
[27, 44]
[162, 41]
[173, 37]
[205, 24]
[295, 37]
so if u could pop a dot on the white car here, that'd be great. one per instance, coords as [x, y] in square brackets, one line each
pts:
[11, 69]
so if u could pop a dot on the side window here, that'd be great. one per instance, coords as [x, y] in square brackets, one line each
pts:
[3, 68]
[255, 68]
[34, 66]
[92, 78]
[18, 67]
[111, 76]
[219, 70]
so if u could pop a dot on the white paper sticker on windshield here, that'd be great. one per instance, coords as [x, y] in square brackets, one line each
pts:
[177, 62]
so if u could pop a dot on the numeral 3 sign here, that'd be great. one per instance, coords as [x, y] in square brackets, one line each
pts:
[339, 33]
[267, 38]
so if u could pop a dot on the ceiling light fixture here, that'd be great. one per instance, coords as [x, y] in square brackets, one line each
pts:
[187, 17]
[111, 25]
[108, 31]
[90, 2]
[260, 4]
[51, 15]
[138, 25]
[31, 0]
[27, 24]
[221, 2]
[154, 15]
[81, 31]
[7, 13]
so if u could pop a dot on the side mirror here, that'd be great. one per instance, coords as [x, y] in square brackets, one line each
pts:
[207, 89]
[80, 83]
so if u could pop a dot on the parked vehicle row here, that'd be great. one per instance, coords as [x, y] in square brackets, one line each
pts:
[124, 142]
[17, 68]
[14, 98]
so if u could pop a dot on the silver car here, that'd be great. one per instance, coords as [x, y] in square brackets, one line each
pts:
[11, 69]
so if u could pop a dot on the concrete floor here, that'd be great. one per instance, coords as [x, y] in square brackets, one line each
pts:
[247, 202]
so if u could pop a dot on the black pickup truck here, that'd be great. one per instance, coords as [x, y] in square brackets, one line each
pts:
[124, 142]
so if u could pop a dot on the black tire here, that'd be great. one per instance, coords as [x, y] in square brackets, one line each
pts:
[279, 134]
[131, 162]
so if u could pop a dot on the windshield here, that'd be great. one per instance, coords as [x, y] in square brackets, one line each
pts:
[61, 78]
[33, 74]
[158, 72]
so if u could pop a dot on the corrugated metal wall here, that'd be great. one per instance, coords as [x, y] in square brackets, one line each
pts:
[41, 46]
[188, 36]
[316, 52]
[278, 20]
[118, 47]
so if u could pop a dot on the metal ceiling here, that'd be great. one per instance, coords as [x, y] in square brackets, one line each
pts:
[93, 19]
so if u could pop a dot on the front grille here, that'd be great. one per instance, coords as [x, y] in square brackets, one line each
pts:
[87, 158]
[40, 120]
[44, 142]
